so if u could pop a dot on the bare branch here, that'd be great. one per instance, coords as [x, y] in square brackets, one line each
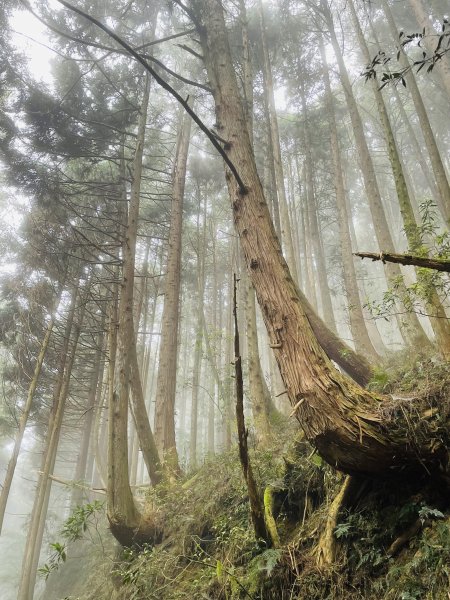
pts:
[438, 264]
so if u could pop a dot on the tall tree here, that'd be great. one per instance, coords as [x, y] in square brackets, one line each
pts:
[430, 140]
[409, 324]
[168, 352]
[439, 322]
[358, 328]
[340, 418]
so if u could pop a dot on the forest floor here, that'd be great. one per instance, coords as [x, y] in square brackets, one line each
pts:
[393, 537]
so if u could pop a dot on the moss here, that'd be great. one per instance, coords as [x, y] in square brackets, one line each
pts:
[269, 519]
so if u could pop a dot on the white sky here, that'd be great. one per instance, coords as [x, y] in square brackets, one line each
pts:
[31, 37]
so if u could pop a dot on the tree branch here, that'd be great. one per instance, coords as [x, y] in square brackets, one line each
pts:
[115, 50]
[438, 264]
[184, 103]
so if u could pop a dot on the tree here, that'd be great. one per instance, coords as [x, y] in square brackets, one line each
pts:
[358, 327]
[439, 322]
[166, 382]
[341, 419]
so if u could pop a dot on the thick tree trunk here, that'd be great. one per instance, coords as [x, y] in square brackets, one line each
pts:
[126, 523]
[341, 419]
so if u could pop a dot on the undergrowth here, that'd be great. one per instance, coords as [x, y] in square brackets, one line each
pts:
[209, 550]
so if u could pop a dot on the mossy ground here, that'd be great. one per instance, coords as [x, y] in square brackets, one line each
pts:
[209, 550]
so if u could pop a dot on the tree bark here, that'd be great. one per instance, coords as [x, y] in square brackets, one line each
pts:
[126, 523]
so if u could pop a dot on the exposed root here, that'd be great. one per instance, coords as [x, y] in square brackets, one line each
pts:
[146, 531]
[326, 548]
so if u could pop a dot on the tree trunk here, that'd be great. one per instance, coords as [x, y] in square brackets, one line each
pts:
[430, 142]
[255, 500]
[361, 339]
[307, 270]
[409, 324]
[147, 442]
[430, 41]
[126, 523]
[99, 451]
[259, 393]
[340, 418]
[286, 233]
[198, 341]
[311, 203]
[80, 471]
[166, 381]
[439, 322]
[39, 511]
[24, 418]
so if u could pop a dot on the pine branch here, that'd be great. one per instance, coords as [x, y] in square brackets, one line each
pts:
[163, 83]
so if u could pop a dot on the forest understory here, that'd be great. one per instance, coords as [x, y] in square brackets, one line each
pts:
[390, 538]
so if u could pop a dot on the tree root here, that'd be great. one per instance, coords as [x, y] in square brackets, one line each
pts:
[403, 539]
[326, 548]
[146, 531]
[269, 519]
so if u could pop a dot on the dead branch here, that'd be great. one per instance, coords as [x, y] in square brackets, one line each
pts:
[438, 264]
